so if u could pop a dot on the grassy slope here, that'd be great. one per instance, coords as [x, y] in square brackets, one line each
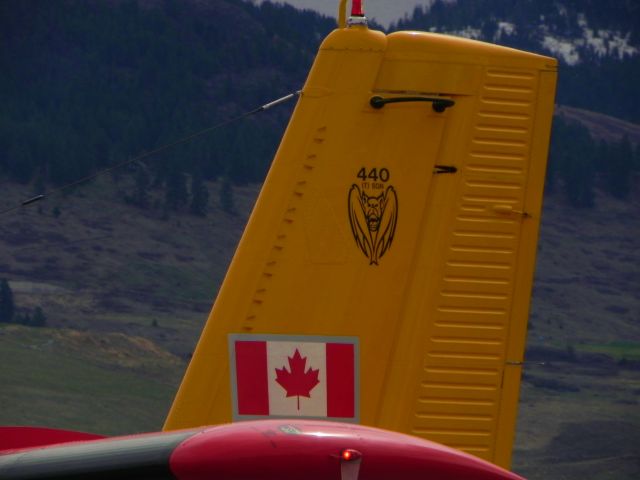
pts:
[586, 290]
[579, 423]
[94, 276]
[52, 381]
[103, 267]
[579, 415]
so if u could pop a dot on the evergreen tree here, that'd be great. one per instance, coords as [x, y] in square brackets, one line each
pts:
[618, 169]
[23, 319]
[226, 195]
[39, 319]
[554, 154]
[602, 157]
[20, 162]
[176, 194]
[39, 185]
[572, 159]
[240, 157]
[7, 306]
[141, 192]
[578, 174]
[199, 195]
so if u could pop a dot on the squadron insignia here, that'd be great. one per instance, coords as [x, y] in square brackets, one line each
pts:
[373, 215]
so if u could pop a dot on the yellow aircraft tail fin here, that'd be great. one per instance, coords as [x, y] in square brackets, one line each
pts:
[384, 276]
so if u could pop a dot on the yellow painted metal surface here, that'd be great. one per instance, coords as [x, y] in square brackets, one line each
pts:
[438, 292]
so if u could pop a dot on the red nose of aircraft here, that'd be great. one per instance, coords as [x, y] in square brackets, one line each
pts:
[256, 450]
[286, 449]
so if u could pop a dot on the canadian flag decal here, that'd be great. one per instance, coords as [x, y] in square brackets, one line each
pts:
[302, 376]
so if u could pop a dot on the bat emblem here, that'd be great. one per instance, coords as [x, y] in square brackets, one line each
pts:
[373, 221]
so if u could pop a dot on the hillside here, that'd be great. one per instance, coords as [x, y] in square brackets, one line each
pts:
[126, 275]
[88, 84]
[126, 293]
[102, 265]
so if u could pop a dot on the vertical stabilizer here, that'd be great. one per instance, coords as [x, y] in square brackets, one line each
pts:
[384, 276]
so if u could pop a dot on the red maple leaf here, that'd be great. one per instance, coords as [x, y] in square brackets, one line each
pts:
[297, 382]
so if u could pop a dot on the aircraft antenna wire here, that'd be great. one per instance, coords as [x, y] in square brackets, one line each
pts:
[155, 151]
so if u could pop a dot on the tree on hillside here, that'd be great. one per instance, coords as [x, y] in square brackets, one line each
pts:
[578, 176]
[176, 194]
[241, 157]
[7, 306]
[226, 195]
[572, 159]
[20, 162]
[554, 151]
[22, 318]
[39, 319]
[618, 169]
[39, 185]
[140, 196]
[199, 195]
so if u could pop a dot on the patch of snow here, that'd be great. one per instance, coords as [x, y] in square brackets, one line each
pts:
[562, 10]
[605, 42]
[564, 49]
[468, 32]
[601, 43]
[504, 29]
[595, 43]
[620, 45]
[582, 20]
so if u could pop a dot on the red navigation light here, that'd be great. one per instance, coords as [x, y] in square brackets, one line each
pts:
[350, 455]
[356, 8]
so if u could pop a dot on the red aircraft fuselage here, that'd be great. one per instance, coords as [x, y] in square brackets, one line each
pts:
[254, 450]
